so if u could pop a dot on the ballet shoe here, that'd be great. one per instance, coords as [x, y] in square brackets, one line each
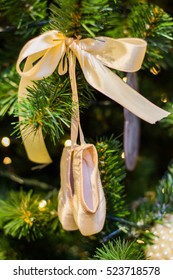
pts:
[65, 213]
[89, 205]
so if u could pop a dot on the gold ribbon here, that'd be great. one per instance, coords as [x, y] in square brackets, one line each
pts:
[44, 53]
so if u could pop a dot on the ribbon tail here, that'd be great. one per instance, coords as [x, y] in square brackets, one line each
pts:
[32, 139]
[105, 81]
[131, 130]
[34, 145]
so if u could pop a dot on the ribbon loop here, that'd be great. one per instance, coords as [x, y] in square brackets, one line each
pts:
[44, 53]
[125, 54]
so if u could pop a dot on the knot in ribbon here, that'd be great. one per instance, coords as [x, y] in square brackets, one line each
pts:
[50, 50]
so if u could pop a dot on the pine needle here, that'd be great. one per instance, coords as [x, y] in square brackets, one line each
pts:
[119, 250]
[112, 170]
[21, 216]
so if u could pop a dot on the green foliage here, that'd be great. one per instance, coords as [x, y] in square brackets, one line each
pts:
[148, 21]
[94, 17]
[8, 91]
[7, 250]
[153, 24]
[164, 193]
[112, 170]
[119, 250]
[47, 105]
[25, 13]
[65, 17]
[21, 215]
[143, 214]
[19, 21]
[167, 123]
[137, 18]
[81, 18]
[153, 207]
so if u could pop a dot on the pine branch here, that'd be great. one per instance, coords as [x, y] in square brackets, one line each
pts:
[150, 22]
[8, 252]
[82, 18]
[112, 171]
[94, 17]
[65, 17]
[164, 194]
[119, 250]
[152, 209]
[167, 123]
[8, 95]
[25, 12]
[17, 27]
[23, 215]
[47, 105]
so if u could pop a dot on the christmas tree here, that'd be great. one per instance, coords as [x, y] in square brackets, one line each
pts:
[40, 99]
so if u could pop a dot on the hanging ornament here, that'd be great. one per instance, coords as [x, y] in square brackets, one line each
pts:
[162, 247]
[131, 129]
[81, 200]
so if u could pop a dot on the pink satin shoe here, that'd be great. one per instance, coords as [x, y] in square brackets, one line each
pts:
[89, 205]
[65, 207]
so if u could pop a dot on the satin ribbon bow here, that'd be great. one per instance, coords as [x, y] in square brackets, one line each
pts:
[48, 51]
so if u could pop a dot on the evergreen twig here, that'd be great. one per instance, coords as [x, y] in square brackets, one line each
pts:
[22, 217]
[119, 250]
[164, 194]
[112, 170]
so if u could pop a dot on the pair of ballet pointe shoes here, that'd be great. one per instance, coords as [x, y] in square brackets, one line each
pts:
[81, 200]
